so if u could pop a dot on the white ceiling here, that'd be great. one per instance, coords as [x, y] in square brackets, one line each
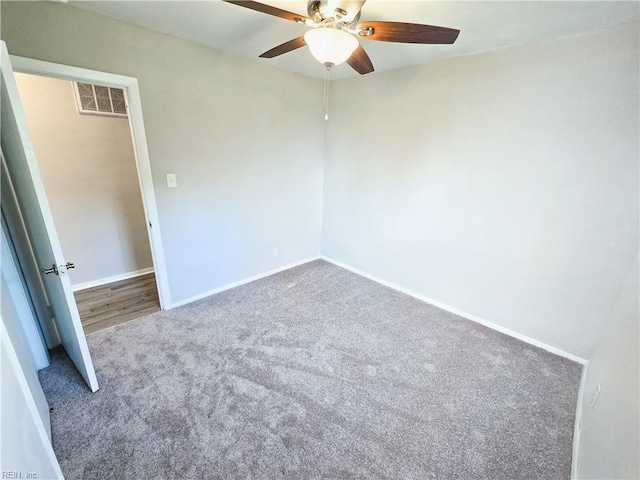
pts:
[483, 25]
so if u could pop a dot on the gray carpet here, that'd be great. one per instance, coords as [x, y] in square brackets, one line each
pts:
[312, 373]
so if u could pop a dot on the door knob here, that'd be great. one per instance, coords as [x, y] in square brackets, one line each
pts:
[56, 270]
[47, 271]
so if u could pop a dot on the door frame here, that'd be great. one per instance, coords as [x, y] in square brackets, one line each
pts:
[143, 165]
[18, 294]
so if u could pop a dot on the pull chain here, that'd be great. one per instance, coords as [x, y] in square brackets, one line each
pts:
[325, 105]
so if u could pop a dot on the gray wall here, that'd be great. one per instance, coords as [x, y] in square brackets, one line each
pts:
[609, 443]
[504, 184]
[89, 172]
[24, 445]
[246, 141]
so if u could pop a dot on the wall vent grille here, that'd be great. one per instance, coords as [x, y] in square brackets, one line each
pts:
[100, 100]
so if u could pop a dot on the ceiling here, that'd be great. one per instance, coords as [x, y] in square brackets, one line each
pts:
[483, 25]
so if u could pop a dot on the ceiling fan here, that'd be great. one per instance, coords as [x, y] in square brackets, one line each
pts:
[336, 27]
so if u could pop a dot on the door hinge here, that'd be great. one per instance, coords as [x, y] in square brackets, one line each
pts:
[50, 309]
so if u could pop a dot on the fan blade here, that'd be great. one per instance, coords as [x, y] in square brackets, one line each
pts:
[268, 9]
[284, 48]
[407, 32]
[360, 61]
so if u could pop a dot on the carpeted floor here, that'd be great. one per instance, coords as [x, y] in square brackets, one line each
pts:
[313, 373]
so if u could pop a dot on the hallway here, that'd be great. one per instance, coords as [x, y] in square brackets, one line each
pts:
[118, 302]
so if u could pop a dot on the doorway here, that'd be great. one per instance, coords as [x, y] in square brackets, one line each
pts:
[83, 145]
[140, 284]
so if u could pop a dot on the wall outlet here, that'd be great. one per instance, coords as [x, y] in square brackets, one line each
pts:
[172, 180]
[596, 394]
[274, 252]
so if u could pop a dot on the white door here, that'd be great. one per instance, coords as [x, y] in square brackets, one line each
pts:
[25, 175]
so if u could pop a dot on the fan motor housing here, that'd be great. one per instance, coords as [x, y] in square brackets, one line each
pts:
[346, 11]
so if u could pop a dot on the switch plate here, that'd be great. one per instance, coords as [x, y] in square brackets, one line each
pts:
[172, 181]
[275, 251]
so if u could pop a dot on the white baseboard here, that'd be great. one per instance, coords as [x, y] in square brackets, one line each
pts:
[473, 318]
[577, 426]
[229, 286]
[460, 313]
[115, 278]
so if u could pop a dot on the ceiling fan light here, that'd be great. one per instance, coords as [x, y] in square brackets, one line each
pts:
[330, 45]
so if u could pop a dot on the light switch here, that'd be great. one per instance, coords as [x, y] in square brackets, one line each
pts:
[172, 181]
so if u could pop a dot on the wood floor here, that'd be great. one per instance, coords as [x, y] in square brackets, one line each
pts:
[118, 302]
